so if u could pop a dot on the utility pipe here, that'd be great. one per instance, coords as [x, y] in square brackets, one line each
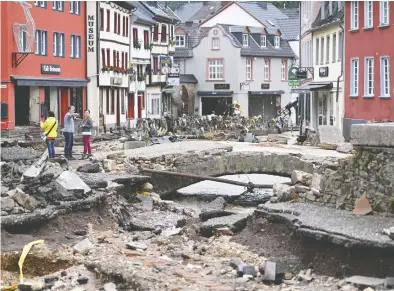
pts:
[250, 186]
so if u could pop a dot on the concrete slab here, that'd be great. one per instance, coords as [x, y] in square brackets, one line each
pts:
[330, 135]
[374, 135]
[337, 226]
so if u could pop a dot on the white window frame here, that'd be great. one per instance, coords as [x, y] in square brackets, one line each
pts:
[283, 71]
[317, 51]
[43, 43]
[74, 7]
[249, 68]
[263, 42]
[58, 5]
[384, 76]
[322, 12]
[384, 13]
[58, 44]
[354, 15]
[328, 43]
[23, 40]
[43, 4]
[215, 69]
[154, 104]
[369, 81]
[354, 76]
[277, 41]
[368, 14]
[245, 40]
[334, 47]
[267, 64]
[215, 43]
[75, 46]
[180, 40]
[37, 43]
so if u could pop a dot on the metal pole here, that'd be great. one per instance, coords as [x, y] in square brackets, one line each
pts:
[249, 185]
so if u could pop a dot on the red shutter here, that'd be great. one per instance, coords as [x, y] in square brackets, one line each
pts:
[108, 19]
[117, 59]
[108, 58]
[156, 33]
[127, 61]
[102, 19]
[135, 35]
[163, 33]
[103, 57]
[114, 61]
[155, 65]
[115, 22]
[118, 23]
[127, 26]
[122, 60]
[146, 37]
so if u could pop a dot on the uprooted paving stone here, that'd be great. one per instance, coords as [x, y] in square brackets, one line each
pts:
[337, 226]
[330, 136]
[234, 222]
[90, 168]
[18, 154]
[101, 180]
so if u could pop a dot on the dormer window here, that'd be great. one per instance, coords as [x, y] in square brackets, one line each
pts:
[277, 42]
[245, 40]
[263, 41]
[330, 7]
[322, 10]
[179, 41]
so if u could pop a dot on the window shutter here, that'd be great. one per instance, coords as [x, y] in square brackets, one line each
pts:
[72, 46]
[118, 23]
[108, 19]
[146, 37]
[127, 26]
[114, 60]
[156, 33]
[163, 33]
[115, 22]
[108, 61]
[102, 57]
[117, 59]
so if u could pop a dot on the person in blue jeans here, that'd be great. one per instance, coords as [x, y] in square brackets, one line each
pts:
[50, 127]
[68, 132]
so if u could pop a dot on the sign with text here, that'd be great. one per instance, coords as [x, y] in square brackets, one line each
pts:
[323, 72]
[302, 74]
[91, 34]
[50, 69]
[292, 77]
[116, 81]
[265, 86]
[221, 86]
[173, 81]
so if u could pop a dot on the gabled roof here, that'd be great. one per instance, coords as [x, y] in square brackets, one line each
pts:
[291, 12]
[141, 17]
[290, 27]
[330, 19]
[188, 10]
[169, 12]
[271, 13]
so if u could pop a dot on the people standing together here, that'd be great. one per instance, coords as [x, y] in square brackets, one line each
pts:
[50, 127]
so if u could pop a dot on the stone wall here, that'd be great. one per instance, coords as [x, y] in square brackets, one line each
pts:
[370, 170]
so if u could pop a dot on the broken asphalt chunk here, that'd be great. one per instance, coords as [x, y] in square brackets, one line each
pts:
[269, 271]
[136, 246]
[363, 281]
[83, 247]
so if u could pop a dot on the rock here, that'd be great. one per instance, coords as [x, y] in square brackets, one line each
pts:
[233, 222]
[235, 264]
[282, 192]
[208, 214]
[26, 201]
[7, 204]
[70, 184]
[349, 287]
[218, 203]
[113, 187]
[31, 285]
[365, 281]
[345, 147]
[136, 246]
[305, 275]
[362, 206]
[368, 289]
[299, 177]
[389, 282]
[49, 279]
[18, 154]
[83, 247]
[110, 287]
[288, 276]
[310, 196]
[82, 280]
[269, 271]
[249, 270]
[316, 182]
[108, 165]
[50, 173]
[101, 180]
[4, 191]
[224, 231]
[80, 232]
[89, 168]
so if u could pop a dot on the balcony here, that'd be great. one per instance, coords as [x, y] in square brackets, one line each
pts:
[159, 78]
[138, 83]
[110, 76]
[158, 49]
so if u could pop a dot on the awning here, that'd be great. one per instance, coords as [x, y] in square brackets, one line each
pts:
[168, 90]
[215, 93]
[266, 92]
[313, 87]
[49, 82]
[188, 78]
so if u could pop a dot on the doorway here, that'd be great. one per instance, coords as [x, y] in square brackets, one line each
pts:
[47, 102]
[141, 104]
[130, 106]
[264, 105]
[22, 104]
[117, 107]
[76, 100]
[215, 104]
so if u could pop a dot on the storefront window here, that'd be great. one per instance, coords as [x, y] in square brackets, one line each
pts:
[76, 100]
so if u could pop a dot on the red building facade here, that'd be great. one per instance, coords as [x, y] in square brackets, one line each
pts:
[369, 61]
[43, 60]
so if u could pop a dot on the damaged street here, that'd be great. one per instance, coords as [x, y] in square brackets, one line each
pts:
[108, 225]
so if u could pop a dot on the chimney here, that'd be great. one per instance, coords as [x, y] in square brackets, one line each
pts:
[262, 4]
[189, 23]
[224, 3]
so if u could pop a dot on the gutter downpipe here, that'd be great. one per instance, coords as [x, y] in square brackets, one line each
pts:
[343, 50]
[299, 65]
[130, 58]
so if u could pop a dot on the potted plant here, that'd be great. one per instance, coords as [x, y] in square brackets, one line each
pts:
[141, 77]
[137, 44]
[172, 42]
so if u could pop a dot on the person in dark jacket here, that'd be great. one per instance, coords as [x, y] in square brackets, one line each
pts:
[87, 125]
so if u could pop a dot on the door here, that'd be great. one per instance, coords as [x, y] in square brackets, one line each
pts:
[322, 108]
[141, 104]
[22, 104]
[130, 106]
[117, 92]
[76, 100]
[215, 104]
[47, 102]
[64, 103]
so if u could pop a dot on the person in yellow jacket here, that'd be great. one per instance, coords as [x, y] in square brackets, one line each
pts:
[50, 128]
